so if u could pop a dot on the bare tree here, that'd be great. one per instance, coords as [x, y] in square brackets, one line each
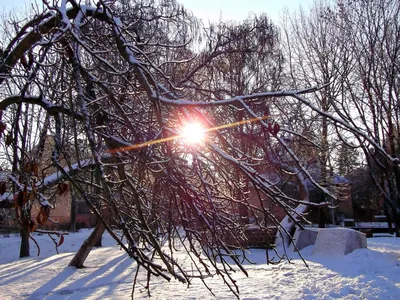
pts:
[318, 54]
[369, 100]
[99, 73]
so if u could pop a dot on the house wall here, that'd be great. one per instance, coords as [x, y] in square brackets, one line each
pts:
[60, 214]
[345, 204]
[61, 211]
[268, 204]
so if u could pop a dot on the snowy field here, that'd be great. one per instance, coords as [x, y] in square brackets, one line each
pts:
[372, 273]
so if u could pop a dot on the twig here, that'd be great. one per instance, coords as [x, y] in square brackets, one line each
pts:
[37, 245]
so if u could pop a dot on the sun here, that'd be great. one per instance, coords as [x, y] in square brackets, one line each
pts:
[193, 133]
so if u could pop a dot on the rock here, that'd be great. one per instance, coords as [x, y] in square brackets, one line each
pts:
[338, 241]
[304, 238]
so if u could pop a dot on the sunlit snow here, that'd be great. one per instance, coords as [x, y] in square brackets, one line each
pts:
[372, 273]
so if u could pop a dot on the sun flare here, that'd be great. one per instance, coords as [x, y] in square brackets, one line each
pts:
[193, 133]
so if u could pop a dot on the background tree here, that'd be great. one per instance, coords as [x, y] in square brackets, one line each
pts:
[315, 58]
[370, 90]
[353, 46]
[347, 160]
[366, 198]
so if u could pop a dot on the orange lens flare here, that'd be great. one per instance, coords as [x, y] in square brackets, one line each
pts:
[163, 140]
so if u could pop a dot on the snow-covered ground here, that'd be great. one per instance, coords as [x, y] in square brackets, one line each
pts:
[372, 273]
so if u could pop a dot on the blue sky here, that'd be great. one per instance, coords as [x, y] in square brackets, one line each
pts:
[210, 9]
[8, 5]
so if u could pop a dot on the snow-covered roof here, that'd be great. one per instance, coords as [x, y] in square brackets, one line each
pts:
[337, 179]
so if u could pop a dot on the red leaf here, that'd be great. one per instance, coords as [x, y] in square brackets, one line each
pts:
[39, 219]
[32, 225]
[269, 128]
[63, 188]
[35, 168]
[61, 241]
[276, 129]
[2, 127]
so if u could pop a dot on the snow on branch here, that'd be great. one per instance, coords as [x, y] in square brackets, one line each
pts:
[7, 198]
[237, 99]
[58, 176]
[41, 101]
[33, 31]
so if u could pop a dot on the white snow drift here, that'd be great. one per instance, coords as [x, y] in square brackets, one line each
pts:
[372, 273]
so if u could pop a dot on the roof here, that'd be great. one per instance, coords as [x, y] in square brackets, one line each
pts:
[337, 179]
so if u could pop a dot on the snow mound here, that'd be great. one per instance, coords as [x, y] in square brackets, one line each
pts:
[339, 241]
[372, 273]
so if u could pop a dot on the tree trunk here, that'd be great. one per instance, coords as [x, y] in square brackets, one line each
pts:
[322, 218]
[397, 225]
[388, 218]
[397, 230]
[24, 250]
[100, 239]
[74, 209]
[83, 252]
